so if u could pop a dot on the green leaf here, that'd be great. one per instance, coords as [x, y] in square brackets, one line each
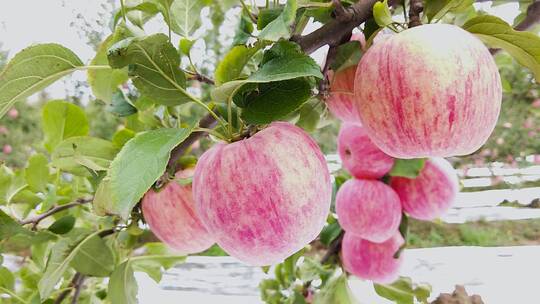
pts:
[104, 82]
[120, 105]
[13, 295]
[335, 291]
[94, 258]
[436, 9]
[422, 292]
[275, 100]
[400, 292]
[62, 253]
[32, 70]
[186, 16]
[121, 137]
[310, 115]
[139, 164]
[62, 120]
[283, 61]
[266, 16]
[37, 172]
[330, 232]
[312, 270]
[243, 31]
[381, 13]
[186, 45]
[407, 167]
[11, 184]
[281, 26]
[9, 227]
[154, 265]
[347, 55]
[123, 287]
[78, 153]
[523, 46]
[7, 280]
[233, 63]
[154, 67]
[63, 225]
[140, 11]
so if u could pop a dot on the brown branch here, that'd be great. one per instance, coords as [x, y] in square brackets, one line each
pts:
[332, 33]
[74, 284]
[334, 248]
[35, 220]
[201, 78]
[415, 8]
[339, 11]
[78, 287]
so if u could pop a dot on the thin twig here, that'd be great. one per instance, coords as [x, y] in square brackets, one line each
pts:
[35, 220]
[415, 8]
[201, 78]
[78, 287]
[334, 248]
[67, 291]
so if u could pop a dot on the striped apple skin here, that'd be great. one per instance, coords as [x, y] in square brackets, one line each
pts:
[359, 155]
[369, 209]
[431, 193]
[170, 213]
[432, 90]
[264, 197]
[340, 101]
[372, 261]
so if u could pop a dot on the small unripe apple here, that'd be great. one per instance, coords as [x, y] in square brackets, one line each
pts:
[7, 149]
[340, 101]
[171, 215]
[264, 197]
[13, 113]
[368, 209]
[431, 90]
[359, 155]
[372, 261]
[431, 193]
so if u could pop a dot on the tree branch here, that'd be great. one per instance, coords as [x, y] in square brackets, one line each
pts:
[35, 220]
[334, 248]
[333, 32]
[415, 8]
[201, 78]
[76, 281]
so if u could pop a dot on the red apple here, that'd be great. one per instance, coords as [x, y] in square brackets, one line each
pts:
[7, 149]
[266, 196]
[432, 90]
[13, 113]
[170, 213]
[431, 193]
[340, 101]
[368, 209]
[372, 261]
[359, 155]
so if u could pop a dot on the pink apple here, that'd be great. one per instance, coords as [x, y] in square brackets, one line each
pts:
[536, 103]
[368, 209]
[7, 149]
[13, 113]
[359, 154]
[341, 98]
[264, 197]
[432, 90]
[431, 193]
[372, 261]
[170, 213]
[3, 130]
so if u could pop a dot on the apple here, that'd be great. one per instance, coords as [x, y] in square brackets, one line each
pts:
[264, 197]
[13, 113]
[431, 193]
[7, 149]
[372, 261]
[431, 90]
[340, 101]
[359, 155]
[171, 215]
[3, 130]
[369, 209]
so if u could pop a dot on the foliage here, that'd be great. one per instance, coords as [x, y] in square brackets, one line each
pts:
[70, 204]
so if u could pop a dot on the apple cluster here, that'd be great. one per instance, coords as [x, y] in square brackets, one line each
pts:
[431, 91]
[428, 92]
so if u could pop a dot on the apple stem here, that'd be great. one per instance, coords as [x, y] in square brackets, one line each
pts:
[415, 8]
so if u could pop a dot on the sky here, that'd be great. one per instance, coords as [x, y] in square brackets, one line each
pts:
[51, 20]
